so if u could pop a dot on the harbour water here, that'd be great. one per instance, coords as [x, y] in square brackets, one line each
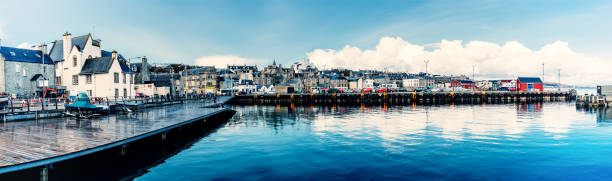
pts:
[550, 141]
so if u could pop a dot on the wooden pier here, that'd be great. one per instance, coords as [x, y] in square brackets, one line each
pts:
[404, 98]
[48, 148]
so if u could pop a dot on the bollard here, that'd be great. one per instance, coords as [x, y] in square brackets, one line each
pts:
[123, 150]
[44, 174]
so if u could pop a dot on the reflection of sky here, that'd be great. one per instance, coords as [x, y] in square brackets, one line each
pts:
[396, 127]
[550, 141]
[487, 123]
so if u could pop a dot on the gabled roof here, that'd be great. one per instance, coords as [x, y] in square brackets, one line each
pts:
[24, 55]
[57, 51]
[102, 65]
[97, 65]
[122, 61]
[529, 80]
[337, 77]
[36, 77]
[163, 80]
[210, 69]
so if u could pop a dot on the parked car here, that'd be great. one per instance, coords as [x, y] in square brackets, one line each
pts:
[366, 90]
[381, 90]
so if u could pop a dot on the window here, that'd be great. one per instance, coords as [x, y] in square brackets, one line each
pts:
[74, 61]
[24, 72]
[88, 78]
[131, 78]
[116, 77]
[75, 80]
[58, 80]
[89, 57]
[124, 92]
[124, 78]
[17, 68]
[13, 54]
[89, 93]
[38, 55]
[116, 93]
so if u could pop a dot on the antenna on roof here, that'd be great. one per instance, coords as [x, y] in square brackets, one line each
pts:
[93, 30]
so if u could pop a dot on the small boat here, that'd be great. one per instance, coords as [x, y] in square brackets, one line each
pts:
[129, 106]
[81, 108]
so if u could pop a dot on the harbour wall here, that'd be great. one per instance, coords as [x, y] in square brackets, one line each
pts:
[404, 98]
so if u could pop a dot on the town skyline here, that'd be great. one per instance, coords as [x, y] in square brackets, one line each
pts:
[565, 35]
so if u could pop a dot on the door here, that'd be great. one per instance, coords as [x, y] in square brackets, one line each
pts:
[529, 87]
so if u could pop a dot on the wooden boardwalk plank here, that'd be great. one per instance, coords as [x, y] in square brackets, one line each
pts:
[28, 141]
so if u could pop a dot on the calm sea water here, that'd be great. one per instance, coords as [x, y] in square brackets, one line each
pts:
[550, 141]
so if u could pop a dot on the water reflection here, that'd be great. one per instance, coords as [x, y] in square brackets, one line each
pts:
[398, 126]
[550, 141]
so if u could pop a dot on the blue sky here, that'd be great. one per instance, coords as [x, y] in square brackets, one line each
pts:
[182, 31]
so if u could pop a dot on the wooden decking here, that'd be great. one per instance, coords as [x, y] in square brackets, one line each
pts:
[27, 142]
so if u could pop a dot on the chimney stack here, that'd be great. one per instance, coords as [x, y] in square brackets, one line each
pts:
[67, 43]
[114, 55]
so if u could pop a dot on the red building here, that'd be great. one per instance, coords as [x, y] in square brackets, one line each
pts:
[466, 84]
[529, 84]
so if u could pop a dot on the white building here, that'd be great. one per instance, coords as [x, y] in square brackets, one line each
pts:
[410, 82]
[82, 66]
[368, 83]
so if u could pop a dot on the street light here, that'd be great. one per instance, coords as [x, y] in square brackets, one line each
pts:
[426, 80]
[43, 50]
[473, 78]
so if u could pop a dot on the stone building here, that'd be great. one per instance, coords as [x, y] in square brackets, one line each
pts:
[200, 81]
[23, 73]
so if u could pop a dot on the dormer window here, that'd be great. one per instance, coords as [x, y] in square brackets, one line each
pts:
[89, 57]
[134, 68]
[37, 55]
[13, 54]
[74, 61]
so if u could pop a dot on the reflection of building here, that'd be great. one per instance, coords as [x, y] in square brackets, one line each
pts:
[23, 73]
[604, 115]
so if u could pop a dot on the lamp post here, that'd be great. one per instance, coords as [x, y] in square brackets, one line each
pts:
[131, 75]
[473, 78]
[43, 51]
[426, 80]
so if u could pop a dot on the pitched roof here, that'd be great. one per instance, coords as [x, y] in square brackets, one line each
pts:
[163, 80]
[97, 65]
[122, 61]
[57, 51]
[529, 80]
[210, 69]
[102, 65]
[24, 55]
[36, 77]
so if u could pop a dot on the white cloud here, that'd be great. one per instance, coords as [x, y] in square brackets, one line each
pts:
[453, 57]
[223, 60]
[25, 45]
